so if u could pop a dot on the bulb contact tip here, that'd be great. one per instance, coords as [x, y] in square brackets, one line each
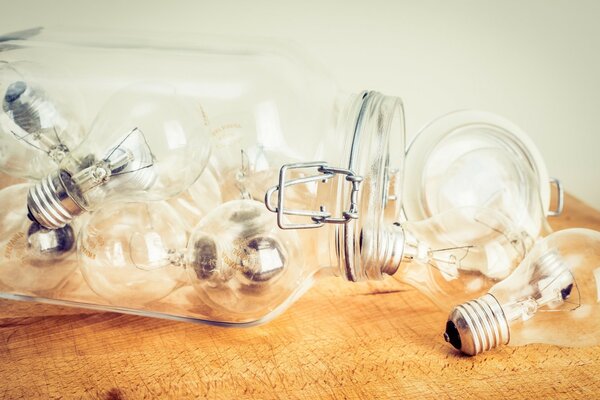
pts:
[49, 203]
[477, 326]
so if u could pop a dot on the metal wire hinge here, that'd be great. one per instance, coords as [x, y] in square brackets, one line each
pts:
[318, 218]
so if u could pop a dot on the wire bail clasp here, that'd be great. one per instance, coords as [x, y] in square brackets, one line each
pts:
[321, 217]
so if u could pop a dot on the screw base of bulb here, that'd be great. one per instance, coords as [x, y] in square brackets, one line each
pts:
[50, 204]
[477, 326]
[381, 253]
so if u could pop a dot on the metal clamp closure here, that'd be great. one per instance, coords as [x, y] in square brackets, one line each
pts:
[322, 216]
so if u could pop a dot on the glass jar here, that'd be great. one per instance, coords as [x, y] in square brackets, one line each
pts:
[279, 127]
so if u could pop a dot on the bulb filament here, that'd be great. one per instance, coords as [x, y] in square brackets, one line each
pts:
[118, 162]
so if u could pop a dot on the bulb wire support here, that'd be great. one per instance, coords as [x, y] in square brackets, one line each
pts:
[50, 204]
[481, 325]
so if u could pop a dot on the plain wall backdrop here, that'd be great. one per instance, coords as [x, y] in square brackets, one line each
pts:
[536, 63]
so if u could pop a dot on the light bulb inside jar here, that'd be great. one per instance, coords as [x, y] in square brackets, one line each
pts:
[34, 260]
[241, 265]
[240, 261]
[39, 122]
[118, 236]
[146, 144]
[552, 297]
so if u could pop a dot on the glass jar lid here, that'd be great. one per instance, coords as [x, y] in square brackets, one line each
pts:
[475, 158]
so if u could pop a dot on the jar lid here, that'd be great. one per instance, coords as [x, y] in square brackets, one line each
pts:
[379, 128]
[475, 158]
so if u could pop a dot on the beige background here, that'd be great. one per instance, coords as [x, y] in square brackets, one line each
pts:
[534, 62]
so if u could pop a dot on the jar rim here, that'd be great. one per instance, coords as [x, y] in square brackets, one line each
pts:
[369, 157]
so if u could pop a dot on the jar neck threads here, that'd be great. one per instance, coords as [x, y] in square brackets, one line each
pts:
[369, 247]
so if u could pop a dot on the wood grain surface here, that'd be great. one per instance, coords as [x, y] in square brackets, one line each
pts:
[341, 340]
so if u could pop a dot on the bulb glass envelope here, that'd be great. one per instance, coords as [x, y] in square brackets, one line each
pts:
[552, 297]
[42, 117]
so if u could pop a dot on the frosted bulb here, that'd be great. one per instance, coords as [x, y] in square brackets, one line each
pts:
[146, 144]
[552, 297]
[117, 235]
[452, 256]
[34, 260]
[39, 123]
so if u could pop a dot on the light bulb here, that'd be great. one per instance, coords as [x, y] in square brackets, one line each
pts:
[146, 144]
[241, 265]
[39, 122]
[552, 297]
[34, 260]
[117, 235]
[450, 257]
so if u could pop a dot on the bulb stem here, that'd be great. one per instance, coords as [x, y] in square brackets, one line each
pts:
[478, 325]
[49, 202]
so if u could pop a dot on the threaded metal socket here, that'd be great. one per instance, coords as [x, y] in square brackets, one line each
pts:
[50, 203]
[477, 326]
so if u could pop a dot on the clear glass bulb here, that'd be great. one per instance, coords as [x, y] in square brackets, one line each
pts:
[117, 235]
[552, 297]
[147, 143]
[241, 265]
[452, 256]
[39, 121]
[33, 260]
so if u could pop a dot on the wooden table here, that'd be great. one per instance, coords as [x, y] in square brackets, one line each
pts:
[341, 340]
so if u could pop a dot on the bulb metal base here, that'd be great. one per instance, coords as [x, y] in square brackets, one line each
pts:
[381, 253]
[477, 326]
[390, 250]
[50, 204]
